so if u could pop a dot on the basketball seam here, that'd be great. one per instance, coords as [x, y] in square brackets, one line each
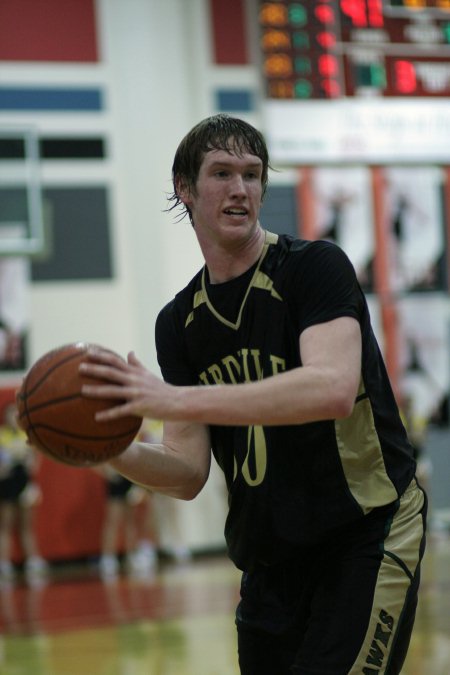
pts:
[55, 401]
[30, 392]
[68, 460]
[84, 437]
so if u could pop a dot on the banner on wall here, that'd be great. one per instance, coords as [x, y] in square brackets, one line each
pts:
[344, 213]
[414, 209]
[424, 354]
[414, 223]
[376, 131]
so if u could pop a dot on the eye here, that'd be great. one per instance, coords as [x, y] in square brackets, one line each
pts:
[253, 175]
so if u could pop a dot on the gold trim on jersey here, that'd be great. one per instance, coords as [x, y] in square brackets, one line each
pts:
[265, 283]
[258, 280]
[362, 457]
[199, 299]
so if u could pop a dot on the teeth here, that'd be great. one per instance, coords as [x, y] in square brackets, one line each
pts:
[236, 212]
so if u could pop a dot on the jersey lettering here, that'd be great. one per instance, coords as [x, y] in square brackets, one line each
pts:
[246, 366]
[255, 362]
[233, 368]
[379, 646]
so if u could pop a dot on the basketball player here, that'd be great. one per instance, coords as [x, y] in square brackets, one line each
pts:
[269, 359]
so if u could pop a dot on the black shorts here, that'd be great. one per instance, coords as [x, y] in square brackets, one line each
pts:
[346, 608]
[12, 486]
[118, 487]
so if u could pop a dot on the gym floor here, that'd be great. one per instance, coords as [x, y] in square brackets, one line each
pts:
[177, 621]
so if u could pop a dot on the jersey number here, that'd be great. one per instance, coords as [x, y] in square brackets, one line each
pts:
[255, 462]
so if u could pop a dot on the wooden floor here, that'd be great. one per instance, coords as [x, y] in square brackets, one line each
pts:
[178, 622]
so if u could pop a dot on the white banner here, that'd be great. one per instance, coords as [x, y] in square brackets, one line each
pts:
[358, 130]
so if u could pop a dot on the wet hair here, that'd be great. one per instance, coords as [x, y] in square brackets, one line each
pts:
[219, 132]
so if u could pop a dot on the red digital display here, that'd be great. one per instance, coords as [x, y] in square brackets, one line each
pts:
[335, 48]
[363, 13]
[404, 76]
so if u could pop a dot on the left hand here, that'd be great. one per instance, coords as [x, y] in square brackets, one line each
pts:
[136, 390]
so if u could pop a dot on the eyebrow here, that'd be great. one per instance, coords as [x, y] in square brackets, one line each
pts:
[225, 162]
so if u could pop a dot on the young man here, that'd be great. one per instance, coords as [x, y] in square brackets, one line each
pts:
[269, 359]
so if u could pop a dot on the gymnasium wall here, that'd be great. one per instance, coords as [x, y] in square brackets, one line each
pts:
[109, 88]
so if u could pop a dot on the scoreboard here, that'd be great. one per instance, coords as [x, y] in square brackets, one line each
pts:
[331, 49]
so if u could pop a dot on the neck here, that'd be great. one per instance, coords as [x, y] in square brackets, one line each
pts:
[226, 262]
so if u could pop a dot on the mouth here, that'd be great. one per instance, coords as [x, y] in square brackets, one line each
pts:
[236, 212]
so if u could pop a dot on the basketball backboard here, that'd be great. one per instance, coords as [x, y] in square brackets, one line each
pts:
[21, 211]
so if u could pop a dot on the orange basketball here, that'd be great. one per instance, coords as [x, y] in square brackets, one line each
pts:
[59, 421]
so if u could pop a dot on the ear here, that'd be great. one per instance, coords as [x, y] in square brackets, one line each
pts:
[183, 191]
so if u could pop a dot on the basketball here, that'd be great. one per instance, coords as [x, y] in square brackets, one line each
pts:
[59, 421]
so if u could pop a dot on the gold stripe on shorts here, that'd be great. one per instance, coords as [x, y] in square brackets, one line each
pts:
[398, 566]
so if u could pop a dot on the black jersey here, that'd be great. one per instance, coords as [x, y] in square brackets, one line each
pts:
[289, 486]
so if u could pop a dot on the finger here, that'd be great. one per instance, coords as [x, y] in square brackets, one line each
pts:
[109, 391]
[115, 412]
[133, 360]
[98, 354]
[102, 372]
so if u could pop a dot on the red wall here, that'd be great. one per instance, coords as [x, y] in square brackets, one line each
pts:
[48, 30]
[70, 515]
[229, 32]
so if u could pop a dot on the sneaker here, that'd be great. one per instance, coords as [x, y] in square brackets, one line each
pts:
[148, 552]
[109, 565]
[35, 567]
[144, 559]
[179, 553]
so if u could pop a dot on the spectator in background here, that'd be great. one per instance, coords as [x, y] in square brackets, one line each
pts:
[19, 495]
[12, 351]
[122, 500]
[160, 513]
[14, 305]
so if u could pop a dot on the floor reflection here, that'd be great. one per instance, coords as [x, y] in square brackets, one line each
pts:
[178, 621]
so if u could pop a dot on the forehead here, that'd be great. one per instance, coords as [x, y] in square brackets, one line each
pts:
[233, 158]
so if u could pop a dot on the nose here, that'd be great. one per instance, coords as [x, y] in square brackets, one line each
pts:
[238, 185]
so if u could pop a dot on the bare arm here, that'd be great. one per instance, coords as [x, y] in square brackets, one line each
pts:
[324, 387]
[178, 466]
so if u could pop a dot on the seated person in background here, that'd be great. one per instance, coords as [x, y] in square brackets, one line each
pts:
[19, 495]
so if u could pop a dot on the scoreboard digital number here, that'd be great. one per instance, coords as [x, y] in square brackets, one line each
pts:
[328, 49]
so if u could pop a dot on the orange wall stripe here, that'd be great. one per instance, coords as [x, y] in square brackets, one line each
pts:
[307, 222]
[389, 316]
